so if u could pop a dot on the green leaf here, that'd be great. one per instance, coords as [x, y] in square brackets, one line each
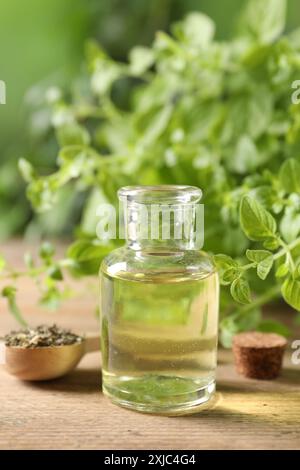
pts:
[289, 176]
[233, 240]
[290, 224]
[46, 250]
[240, 291]
[264, 260]
[196, 30]
[264, 20]
[89, 218]
[264, 267]
[248, 118]
[51, 298]
[272, 326]
[230, 275]
[106, 72]
[141, 59]
[26, 169]
[282, 270]
[74, 161]
[224, 262]
[72, 134]
[271, 243]
[157, 125]
[55, 273]
[291, 292]
[88, 255]
[265, 195]
[94, 53]
[260, 113]
[70, 153]
[256, 256]
[164, 42]
[10, 293]
[257, 223]
[227, 268]
[245, 158]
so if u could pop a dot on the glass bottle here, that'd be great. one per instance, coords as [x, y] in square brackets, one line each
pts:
[159, 305]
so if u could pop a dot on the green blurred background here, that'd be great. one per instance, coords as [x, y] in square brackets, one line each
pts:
[41, 45]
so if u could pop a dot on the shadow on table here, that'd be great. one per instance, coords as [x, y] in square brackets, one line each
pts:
[290, 377]
[264, 415]
[288, 380]
[262, 403]
[78, 381]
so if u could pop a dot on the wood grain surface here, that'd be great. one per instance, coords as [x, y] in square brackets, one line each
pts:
[72, 413]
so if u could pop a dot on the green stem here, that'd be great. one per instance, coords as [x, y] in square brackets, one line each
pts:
[10, 273]
[14, 309]
[248, 266]
[287, 248]
[17, 274]
[260, 300]
[275, 291]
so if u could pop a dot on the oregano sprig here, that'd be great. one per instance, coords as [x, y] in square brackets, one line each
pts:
[259, 225]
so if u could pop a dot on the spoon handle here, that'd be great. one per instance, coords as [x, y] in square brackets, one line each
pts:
[92, 343]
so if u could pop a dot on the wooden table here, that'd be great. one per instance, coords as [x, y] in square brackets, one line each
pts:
[72, 413]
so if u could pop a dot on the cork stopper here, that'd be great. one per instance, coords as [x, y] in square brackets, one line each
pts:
[258, 355]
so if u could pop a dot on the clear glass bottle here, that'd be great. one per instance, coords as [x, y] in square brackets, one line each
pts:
[159, 306]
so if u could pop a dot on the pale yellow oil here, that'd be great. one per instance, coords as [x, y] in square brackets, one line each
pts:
[159, 338]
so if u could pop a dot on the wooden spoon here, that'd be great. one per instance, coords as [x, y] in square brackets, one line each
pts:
[48, 362]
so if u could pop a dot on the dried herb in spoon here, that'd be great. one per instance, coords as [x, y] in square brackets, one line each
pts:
[41, 337]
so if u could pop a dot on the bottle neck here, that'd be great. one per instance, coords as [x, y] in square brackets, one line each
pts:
[162, 227]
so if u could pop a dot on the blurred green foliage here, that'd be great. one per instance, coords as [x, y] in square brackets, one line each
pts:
[213, 114]
[41, 44]
[121, 25]
[190, 109]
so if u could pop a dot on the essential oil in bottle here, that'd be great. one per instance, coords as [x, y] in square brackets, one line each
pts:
[159, 306]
